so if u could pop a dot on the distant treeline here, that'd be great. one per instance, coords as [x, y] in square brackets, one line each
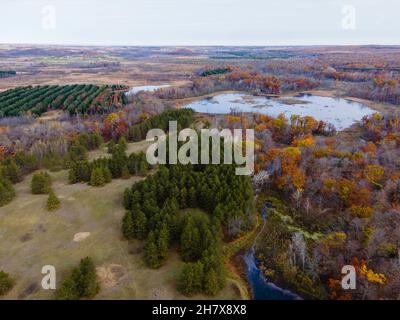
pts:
[7, 73]
[215, 71]
[367, 69]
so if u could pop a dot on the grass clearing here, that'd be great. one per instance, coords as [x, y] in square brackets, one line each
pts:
[32, 237]
[132, 147]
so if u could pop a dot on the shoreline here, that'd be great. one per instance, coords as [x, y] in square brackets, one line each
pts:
[377, 106]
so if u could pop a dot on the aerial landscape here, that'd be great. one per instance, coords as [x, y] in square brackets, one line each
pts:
[79, 195]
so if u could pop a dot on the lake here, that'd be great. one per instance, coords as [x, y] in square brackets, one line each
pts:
[342, 113]
[135, 90]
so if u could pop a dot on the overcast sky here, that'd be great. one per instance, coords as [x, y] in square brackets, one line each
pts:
[200, 22]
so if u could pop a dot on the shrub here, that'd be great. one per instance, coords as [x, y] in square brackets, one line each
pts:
[6, 283]
[97, 177]
[41, 183]
[7, 192]
[361, 211]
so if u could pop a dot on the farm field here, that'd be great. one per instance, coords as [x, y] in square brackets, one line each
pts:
[72, 98]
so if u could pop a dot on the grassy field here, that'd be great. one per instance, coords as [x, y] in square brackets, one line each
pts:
[133, 147]
[32, 237]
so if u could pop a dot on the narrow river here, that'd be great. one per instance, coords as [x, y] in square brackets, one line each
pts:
[261, 288]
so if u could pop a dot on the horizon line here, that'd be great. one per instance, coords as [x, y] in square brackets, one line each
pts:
[197, 45]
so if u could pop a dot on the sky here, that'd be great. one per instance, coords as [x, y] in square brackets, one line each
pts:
[200, 22]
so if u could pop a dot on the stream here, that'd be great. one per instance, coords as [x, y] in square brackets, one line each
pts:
[261, 288]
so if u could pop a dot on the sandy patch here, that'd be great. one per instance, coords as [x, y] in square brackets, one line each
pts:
[110, 275]
[81, 236]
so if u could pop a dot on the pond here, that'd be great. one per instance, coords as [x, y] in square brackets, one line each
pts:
[342, 113]
[135, 90]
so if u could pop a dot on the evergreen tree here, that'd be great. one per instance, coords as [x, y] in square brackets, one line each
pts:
[122, 144]
[128, 228]
[183, 198]
[117, 162]
[26, 162]
[140, 225]
[185, 280]
[192, 198]
[53, 203]
[6, 283]
[151, 252]
[10, 171]
[127, 199]
[7, 192]
[110, 147]
[77, 152]
[211, 283]
[72, 178]
[163, 242]
[107, 174]
[82, 283]
[97, 178]
[88, 284]
[41, 183]
[135, 133]
[190, 281]
[125, 172]
[190, 241]
[142, 167]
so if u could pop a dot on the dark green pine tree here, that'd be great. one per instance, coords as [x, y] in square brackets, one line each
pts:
[183, 198]
[185, 281]
[127, 198]
[128, 227]
[192, 198]
[125, 172]
[151, 254]
[163, 242]
[140, 223]
[190, 281]
[190, 241]
[142, 167]
[87, 283]
[211, 283]
[82, 283]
